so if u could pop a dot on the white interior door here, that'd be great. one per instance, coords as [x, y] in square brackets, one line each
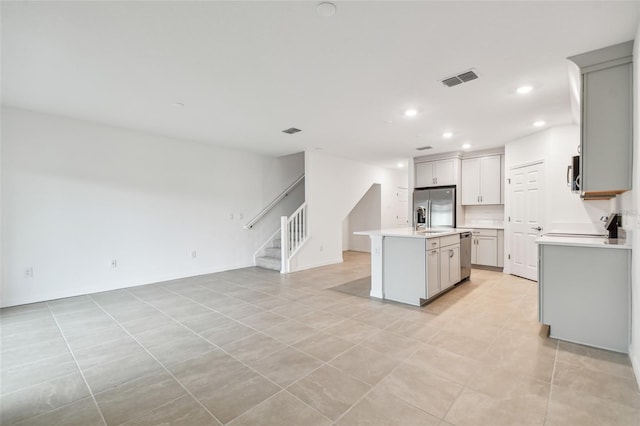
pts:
[526, 218]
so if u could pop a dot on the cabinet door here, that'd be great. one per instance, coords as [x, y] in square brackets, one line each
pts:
[471, 181]
[474, 251]
[444, 172]
[424, 175]
[605, 162]
[490, 180]
[449, 266]
[445, 271]
[433, 273]
[487, 251]
[454, 265]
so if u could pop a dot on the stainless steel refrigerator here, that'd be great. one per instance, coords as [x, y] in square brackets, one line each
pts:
[435, 207]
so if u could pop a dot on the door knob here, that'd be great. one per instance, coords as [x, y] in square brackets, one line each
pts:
[538, 228]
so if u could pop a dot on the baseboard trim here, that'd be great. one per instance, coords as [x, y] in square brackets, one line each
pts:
[376, 294]
[317, 265]
[124, 284]
[488, 268]
[635, 363]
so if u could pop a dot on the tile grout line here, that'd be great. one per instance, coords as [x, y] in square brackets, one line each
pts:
[377, 384]
[267, 310]
[250, 367]
[553, 374]
[395, 368]
[84, 379]
[160, 363]
[229, 354]
[324, 363]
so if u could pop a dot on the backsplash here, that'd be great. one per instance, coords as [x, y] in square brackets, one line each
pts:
[483, 215]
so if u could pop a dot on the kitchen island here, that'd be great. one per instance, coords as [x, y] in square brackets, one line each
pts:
[412, 266]
[584, 286]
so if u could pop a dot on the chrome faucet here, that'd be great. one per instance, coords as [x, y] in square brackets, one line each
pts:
[421, 214]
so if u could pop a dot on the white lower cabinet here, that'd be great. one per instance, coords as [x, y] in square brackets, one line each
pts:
[584, 294]
[415, 269]
[433, 272]
[484, 247]
[443, 264]
[449, 266]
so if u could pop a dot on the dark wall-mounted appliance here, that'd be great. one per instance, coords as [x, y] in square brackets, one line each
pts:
[573, 174]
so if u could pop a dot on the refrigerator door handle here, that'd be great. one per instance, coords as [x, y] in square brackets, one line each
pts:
[428, 218]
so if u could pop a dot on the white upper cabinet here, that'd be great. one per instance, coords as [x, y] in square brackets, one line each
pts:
[482, 180]
[607, 121]
[471, 181]
[436, 173]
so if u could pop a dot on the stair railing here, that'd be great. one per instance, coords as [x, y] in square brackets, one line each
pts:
[273, 203]
[293, 233]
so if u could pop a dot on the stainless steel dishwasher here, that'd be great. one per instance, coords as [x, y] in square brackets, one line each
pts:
[465, 255]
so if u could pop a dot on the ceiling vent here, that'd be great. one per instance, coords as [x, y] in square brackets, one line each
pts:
[422, 148]
[292, 130]
[460, 78]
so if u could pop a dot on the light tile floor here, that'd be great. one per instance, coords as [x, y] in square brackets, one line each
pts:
[251, 347]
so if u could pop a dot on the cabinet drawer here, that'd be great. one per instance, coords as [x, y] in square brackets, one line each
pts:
[449, 240]
[433, 243]
[485, 232]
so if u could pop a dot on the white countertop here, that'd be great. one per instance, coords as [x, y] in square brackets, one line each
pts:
[480, 226]
[411, 233]
[580, 241]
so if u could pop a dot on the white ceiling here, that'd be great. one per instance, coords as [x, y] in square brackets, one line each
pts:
[247, 70]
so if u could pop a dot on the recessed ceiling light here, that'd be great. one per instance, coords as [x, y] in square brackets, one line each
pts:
[447, 135]
[388, 121]
[326, 9]
[400, 165]
[466, 146]
[523, 90]
[178, 104]
[539, 123]
[411, 112]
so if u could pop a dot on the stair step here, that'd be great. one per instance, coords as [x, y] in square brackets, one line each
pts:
[268, 262]
[277, 242]
[275, 252]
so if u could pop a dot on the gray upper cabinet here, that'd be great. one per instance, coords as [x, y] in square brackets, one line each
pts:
[607, 119]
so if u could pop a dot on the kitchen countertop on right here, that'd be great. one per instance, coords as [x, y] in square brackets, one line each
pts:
[586, 241]
[480, 226]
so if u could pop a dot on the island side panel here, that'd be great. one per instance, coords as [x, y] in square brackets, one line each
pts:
[404, 270]
[376, 267]
[585, 295]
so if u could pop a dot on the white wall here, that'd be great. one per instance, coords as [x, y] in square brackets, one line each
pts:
[77, 195]
[483, 215]
[564, 210]
[364, 216]
[333, 187]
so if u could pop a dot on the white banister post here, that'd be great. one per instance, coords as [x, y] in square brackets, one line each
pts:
[284, 245]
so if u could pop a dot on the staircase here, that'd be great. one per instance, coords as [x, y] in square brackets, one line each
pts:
[272, 258]
[293, 234]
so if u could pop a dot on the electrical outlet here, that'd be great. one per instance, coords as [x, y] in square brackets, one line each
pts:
[194, 254]
[28, 273]
[321, 248]
[240, 216]
[230, 216]
[114, 263]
